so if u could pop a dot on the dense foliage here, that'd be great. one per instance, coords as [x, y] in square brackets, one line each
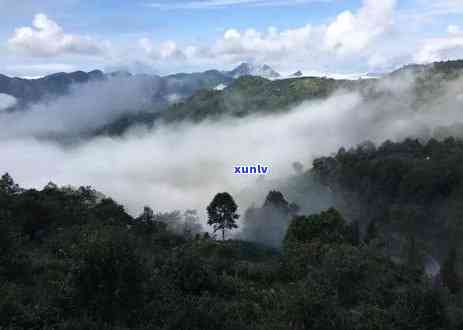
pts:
[413, 188]
[73, 259]
[222, 214]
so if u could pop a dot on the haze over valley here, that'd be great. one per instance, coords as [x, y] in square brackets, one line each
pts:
[122, 127]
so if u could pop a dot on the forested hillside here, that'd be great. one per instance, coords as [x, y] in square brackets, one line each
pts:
[74, 259]
[419, 87]
[27, 91]
[231, 165]
[410, 187]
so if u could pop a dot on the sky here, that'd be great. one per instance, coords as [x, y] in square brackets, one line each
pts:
[167, 36]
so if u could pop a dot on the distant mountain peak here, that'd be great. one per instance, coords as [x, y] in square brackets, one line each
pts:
[248, 69]
[120, 74]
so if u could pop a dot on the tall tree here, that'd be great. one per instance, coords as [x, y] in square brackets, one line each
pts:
[222, 213]
[147, 215]
[8, 186]
[275, 199]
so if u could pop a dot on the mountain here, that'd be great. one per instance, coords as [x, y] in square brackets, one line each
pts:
[247, 69]
[248, 95]
[252, 94]
[120, 74]
[244, 96]
[32, 90]
[446, 69]
[165, 90]
[297, 74]
[374, 75]
[186, 84]
[213, 93]
[430, 80]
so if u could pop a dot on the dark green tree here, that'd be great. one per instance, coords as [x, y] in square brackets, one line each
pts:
[108, 211]
[8, 186]
[147, 216]
[222, 213]
[328, 227]
[275, 199]
[107, 276]
[268, 224]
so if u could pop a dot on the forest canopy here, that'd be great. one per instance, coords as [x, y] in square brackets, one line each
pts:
[72, 258]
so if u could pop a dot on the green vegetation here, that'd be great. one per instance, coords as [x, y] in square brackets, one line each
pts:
[222, 213]
[430, 81]
[71, 258]
[245, 96]
[248, 95]
[74, 259]
[411, 187]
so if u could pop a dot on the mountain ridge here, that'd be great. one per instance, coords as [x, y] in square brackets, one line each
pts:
[196, 96]
[166, 88]
[250, 94]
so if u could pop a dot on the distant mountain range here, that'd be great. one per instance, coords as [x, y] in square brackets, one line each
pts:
[33, 90]
[239, 92]
[252, 94]
[165, 90]
[246, 69]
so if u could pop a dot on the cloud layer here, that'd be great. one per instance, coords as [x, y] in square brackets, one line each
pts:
[7, 101]
[85, 108]
[349, 37]
[47, 39]
[376, 36]
[353, 33]
[449, 47]
[182, 166]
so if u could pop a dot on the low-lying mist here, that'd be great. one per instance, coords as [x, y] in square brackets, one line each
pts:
[182, 166]
[87, 106]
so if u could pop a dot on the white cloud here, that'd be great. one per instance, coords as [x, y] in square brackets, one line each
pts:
[47, 39]
[454, 29]
[273, 43]
[167, 50]
[445, 48]
[271, 46]
[370, 37]
[84, 108]
[351, 33]
[351, 36]
[177, 166]
[7, 101]
[440, 49]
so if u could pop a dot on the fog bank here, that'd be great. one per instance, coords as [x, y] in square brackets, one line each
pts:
[182, 166]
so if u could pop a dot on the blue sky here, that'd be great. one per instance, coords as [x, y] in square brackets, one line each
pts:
[164, 36]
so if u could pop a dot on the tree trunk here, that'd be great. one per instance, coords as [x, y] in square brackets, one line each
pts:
[223, 234]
